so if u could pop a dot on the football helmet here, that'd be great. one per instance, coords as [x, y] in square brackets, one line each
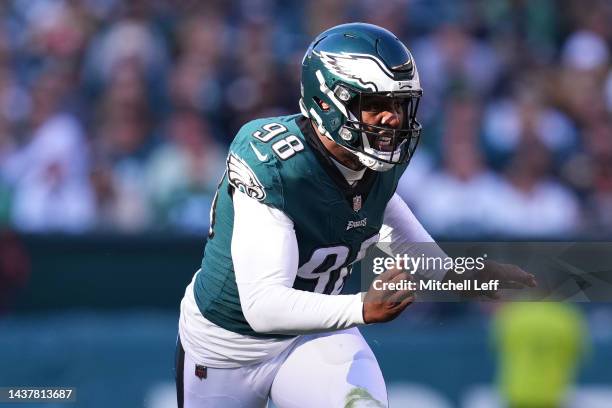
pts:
[356, 67]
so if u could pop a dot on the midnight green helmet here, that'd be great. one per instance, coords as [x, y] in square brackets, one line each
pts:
[346, 65]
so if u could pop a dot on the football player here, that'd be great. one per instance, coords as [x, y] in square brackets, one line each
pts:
[302, 198]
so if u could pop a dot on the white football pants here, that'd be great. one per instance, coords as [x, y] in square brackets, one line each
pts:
[325, 370]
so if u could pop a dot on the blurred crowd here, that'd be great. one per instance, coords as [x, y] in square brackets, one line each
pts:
[116, 115]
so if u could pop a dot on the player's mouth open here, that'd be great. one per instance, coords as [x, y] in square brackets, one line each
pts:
[384, 142]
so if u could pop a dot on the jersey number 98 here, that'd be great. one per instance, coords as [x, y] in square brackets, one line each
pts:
[284, 148]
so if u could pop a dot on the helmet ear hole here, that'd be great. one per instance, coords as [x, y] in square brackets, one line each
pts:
[324, 106]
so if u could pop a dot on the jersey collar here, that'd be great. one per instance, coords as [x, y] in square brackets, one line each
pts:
[361, 187]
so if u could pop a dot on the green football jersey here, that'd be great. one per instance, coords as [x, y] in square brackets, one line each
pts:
[281, 162]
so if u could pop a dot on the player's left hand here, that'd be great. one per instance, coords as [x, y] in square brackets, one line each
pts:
[382, 303]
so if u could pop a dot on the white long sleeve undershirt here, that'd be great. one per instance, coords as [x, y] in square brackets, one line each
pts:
[265, 254]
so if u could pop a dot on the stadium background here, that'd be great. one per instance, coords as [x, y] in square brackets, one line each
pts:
[115, 117]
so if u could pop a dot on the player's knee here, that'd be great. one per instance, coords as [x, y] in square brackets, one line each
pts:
[360, 397]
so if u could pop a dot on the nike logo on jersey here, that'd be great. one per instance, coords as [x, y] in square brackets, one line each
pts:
[261, 157]
[357, 224]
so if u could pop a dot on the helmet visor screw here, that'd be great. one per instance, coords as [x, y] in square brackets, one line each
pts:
[343, 94]
[345, 134]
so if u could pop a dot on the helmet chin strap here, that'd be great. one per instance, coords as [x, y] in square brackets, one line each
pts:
[370, 162]
[373, 164]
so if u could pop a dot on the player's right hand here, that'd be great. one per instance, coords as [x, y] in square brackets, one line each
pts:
[382, 304]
